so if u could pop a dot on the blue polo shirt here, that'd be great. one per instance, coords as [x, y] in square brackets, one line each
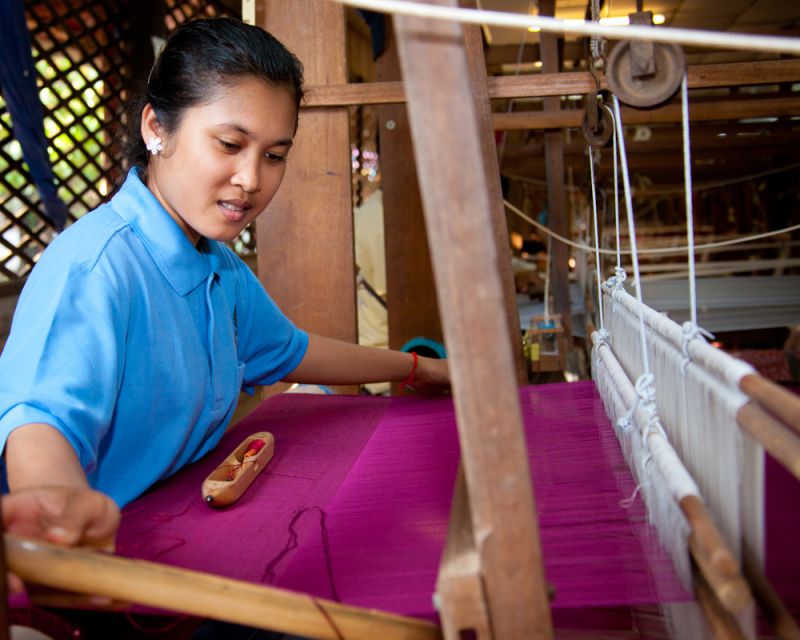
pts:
[135, 345]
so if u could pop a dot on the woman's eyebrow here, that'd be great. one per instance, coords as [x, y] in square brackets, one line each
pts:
[283, 142]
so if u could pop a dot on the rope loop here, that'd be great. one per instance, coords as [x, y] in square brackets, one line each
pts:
[645, 389]
[646, 399]
[616, 281]
[691, 331]
[624, 422]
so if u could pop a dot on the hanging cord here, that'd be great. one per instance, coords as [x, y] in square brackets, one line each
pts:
[649, 252]
[631, 231]
[603, 334]
[687, 180]
[645, 390]
[616, 188]
[690, 328]
[619, 273]
[596, 43]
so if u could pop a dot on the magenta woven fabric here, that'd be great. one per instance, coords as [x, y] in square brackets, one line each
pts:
[355, 504]
[782, 511]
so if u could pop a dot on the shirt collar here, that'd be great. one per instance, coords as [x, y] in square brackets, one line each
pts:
[180, 262]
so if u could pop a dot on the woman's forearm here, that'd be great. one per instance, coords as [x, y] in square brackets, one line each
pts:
[329, 361]
[38, 455]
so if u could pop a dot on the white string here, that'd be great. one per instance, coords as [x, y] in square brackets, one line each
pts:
[596, 244]
[687, 179]
[631, 232]
[698, 37]
[627, 503]
[547, 284]
[616, 187]
[662, 251]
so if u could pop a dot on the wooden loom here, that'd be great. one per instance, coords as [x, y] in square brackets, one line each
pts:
[493, 533]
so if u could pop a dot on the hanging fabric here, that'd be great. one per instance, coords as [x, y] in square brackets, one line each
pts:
[18, 86]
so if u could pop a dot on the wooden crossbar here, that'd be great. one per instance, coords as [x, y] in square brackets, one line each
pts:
[559, 84]
[204, 595]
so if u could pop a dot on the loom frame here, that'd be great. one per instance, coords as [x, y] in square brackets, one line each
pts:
[468, 596]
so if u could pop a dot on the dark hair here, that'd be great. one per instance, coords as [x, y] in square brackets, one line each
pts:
[200, 56]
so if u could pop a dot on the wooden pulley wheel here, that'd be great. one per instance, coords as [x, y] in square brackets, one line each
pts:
[598, 134]
[648, 89]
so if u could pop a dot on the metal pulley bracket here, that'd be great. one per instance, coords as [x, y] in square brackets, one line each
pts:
[597, 125]
[645, 74]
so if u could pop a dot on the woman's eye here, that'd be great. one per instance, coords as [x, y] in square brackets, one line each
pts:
[275, 157]
[228, 146]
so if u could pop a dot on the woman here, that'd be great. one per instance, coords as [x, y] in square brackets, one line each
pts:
[138, 328]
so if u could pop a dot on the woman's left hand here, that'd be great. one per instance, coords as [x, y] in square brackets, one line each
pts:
[432, 376]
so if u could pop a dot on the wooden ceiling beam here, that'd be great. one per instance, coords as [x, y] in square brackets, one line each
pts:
[557, 84]
[499, 55]
[659, 165]
[699, 112]
[667, 141]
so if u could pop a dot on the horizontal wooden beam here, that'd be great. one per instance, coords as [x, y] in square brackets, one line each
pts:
[705, 112]
[558, 84]
[202, 594]
[673, 143]
[577, 50]
[498, 55]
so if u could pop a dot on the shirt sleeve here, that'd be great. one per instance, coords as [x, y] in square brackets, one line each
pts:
[269, 344]
[63, 360]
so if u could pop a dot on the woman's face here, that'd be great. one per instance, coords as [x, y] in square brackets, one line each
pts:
[222, 166]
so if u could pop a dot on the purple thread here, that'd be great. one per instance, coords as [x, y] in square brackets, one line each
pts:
[291, 544]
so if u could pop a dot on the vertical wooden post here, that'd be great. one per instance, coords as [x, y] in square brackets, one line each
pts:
[410, 289]
[305, 237]
[558, 220]
[457, 214]
[480, 91]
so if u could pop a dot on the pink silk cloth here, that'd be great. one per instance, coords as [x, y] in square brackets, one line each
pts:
[354, 505]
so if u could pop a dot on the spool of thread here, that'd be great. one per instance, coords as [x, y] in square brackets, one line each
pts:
[253, 448]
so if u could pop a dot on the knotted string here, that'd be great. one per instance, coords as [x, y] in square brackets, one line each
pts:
[690, 332]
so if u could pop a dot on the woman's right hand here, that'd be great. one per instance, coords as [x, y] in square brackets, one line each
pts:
[70, 516]
[65, 515]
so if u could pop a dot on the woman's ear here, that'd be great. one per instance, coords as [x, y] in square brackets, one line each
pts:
[151, 128]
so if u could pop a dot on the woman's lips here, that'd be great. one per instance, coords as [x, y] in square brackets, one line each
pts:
[234, 210]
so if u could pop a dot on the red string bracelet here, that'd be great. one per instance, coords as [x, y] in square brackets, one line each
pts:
[409, 382]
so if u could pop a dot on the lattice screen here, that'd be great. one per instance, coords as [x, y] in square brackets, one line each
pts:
[81, 52]
[80, 57]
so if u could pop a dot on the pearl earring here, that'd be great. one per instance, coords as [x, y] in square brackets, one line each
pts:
[155, 146]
